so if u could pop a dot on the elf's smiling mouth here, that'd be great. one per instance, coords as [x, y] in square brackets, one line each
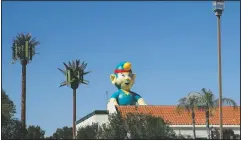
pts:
[127, 83]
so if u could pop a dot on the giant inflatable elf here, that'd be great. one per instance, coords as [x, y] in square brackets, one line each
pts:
[123, 79]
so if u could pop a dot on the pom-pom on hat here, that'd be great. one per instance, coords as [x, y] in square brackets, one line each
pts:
[123, 67]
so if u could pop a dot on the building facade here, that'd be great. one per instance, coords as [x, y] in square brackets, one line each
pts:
[181, 123]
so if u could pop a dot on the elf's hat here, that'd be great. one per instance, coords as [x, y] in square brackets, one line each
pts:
[123, 67]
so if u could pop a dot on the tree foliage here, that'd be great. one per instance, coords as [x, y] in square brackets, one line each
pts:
[115, 129]
[209, 103]
[142, 126]
[190, 104]
[64, 133]
[35, 133]
[11, 127]
[88, 132]
[8, 107]
[133, 126]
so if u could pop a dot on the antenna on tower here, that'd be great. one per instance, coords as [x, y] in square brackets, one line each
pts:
[107, 97]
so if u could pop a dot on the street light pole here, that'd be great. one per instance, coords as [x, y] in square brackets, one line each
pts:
[220, 79]
[218, 9]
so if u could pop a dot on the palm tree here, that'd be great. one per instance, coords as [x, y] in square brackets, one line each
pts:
[74, 73]
[209, 104]
[190, 104]
[23, 49]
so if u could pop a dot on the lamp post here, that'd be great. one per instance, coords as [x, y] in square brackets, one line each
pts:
[218, 7]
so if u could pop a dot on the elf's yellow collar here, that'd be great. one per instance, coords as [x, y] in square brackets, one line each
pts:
[126, 92]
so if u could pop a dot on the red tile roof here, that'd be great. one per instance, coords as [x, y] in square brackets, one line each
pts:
[231, 116]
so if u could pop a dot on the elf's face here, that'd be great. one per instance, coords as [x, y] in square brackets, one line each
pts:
[123, 80]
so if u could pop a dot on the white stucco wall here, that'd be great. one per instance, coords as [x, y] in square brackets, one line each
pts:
[102, 118]
[98, 118]
[187, 131]
[201, 131]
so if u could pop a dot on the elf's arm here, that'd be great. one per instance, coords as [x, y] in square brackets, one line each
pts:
[113, 98]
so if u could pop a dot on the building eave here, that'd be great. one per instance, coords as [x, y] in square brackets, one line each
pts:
[96, 112]
[227, 126]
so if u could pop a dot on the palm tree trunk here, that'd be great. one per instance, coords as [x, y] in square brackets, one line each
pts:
[207, 124]
[74, 113]
[23, 97]
[193, 124]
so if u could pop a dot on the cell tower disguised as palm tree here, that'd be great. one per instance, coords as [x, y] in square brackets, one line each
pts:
[23, 49]
[74, 73]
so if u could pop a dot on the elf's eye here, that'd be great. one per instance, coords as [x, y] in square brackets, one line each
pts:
[123, 75]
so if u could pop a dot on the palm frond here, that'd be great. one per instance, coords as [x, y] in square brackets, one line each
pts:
[64, 83]
[70, 65]
[83, 66]
[194, 95]
[216, 103]
[203, 91]
[85, 82]
[229, 102]
[64, 72]
[77, 63]
[190, 102]
[33, 42]
[73, 65]
[22, 36]
[182, 101]
[225, 101]
[87, 72]
[182, 105]
[66, 66]
[207, 100]
[28, 37]
[13, 62]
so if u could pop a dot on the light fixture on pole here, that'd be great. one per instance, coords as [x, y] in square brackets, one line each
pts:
[218, 7]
